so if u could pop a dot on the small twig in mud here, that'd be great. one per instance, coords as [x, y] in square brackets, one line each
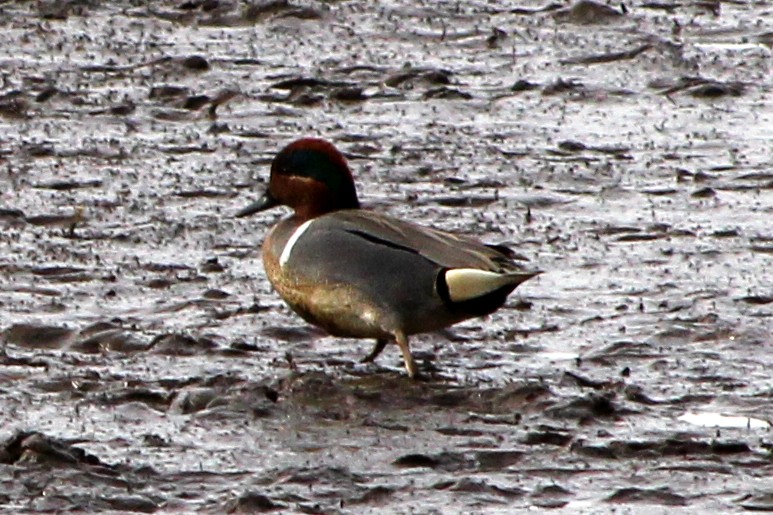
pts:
[702, 87]
[221, 98]
[67, 222]
[607, 58]
[528, 11]
[291, 361]
[111, 68]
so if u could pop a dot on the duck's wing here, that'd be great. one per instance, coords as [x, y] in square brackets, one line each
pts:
[446, 249]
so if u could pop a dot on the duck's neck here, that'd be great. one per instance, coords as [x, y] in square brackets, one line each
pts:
[309, 212]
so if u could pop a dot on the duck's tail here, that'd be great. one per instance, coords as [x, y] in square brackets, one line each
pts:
[471, 283]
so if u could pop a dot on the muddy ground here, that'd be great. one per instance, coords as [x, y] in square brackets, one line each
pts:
[147, 366]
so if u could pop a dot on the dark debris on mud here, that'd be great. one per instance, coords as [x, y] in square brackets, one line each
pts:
[624, 148]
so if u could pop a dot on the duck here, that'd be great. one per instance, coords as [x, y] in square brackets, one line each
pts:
[358, 273]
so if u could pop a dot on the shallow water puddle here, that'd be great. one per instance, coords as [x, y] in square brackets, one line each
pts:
[706, 419]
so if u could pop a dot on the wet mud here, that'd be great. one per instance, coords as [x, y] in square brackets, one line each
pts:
[625, 149]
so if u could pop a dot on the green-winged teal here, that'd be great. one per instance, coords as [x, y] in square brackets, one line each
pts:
[361, 274]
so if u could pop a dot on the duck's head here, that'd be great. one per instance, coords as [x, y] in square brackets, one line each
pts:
[310, 176]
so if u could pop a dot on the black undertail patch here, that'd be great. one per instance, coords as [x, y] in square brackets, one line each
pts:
[441, 286]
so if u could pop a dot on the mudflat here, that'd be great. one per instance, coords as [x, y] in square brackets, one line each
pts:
[626, 150]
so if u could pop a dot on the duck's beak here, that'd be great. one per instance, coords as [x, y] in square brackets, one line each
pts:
[267, 201]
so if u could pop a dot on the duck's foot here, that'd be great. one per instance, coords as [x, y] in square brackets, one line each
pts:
[377, 349]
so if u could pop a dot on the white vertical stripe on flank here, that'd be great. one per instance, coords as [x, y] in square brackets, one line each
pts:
[292, 241]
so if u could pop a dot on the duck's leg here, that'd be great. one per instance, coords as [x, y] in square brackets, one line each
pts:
[380, 345]
[410, 364]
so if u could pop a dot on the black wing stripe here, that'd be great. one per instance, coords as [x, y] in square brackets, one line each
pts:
[381, 241]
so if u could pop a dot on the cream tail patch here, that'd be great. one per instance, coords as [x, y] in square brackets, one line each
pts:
[285, 257]
[469, 283]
